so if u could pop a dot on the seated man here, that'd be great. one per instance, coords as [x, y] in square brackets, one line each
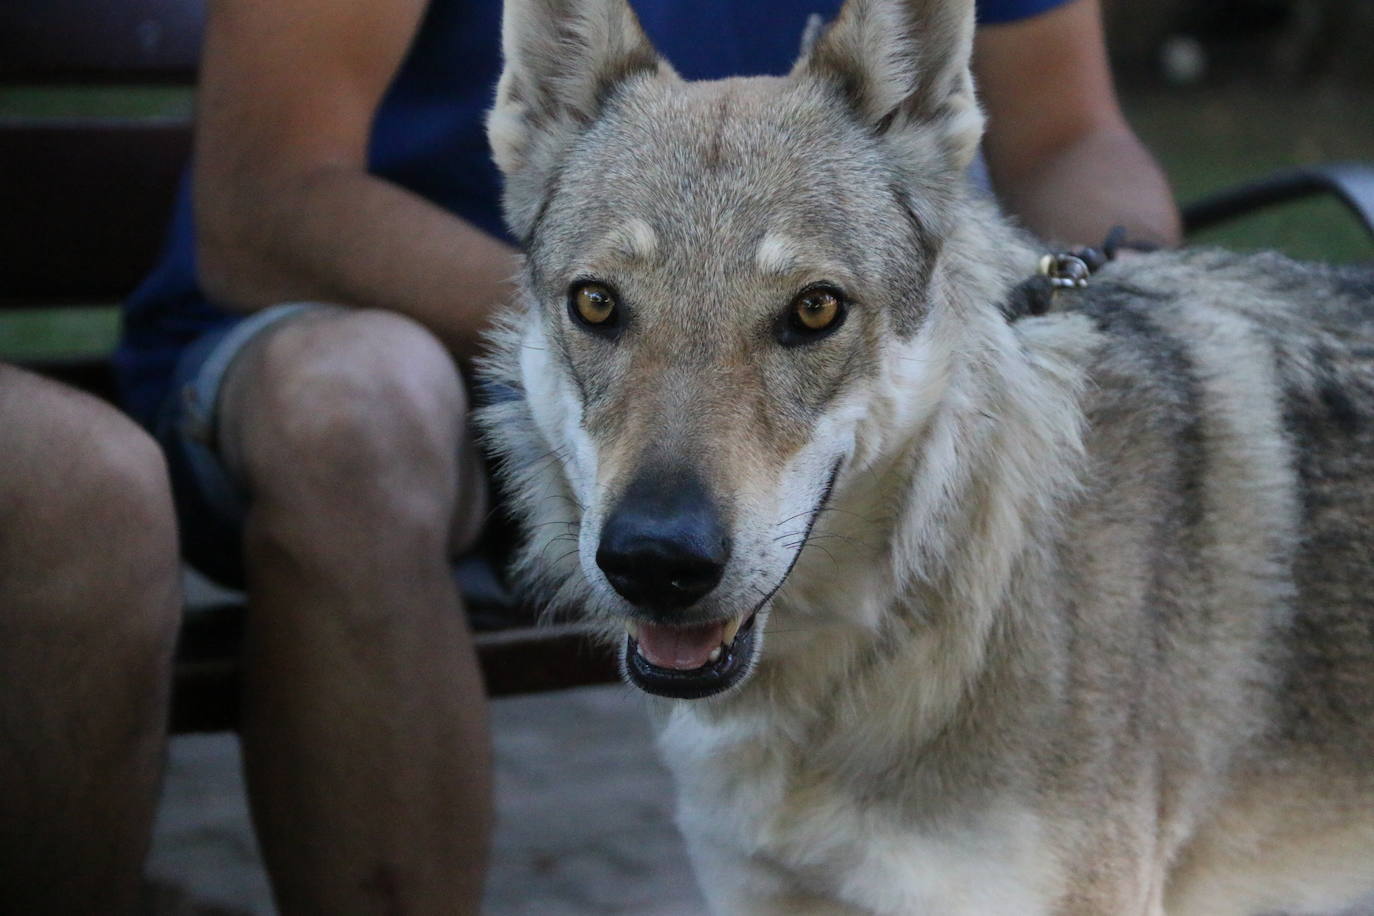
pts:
[319, 452]
[90, 600]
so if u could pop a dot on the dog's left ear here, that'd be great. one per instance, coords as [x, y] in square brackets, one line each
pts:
[563, 60]
[904, 63]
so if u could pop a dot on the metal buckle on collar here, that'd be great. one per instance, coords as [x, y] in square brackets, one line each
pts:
[1065, 270]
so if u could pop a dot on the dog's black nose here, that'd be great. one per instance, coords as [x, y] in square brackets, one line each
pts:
[664, 546]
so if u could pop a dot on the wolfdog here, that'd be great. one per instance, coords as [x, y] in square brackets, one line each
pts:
[944, 608]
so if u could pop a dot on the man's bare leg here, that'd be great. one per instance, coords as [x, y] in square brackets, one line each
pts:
[89, 605]
[364, 723]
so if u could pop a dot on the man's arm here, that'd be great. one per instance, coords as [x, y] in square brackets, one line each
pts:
[1061, 155]
[285, 208]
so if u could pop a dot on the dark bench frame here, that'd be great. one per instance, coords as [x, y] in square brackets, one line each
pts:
[83, 202]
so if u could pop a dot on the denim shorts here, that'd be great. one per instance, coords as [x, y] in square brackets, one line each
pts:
[211, 503]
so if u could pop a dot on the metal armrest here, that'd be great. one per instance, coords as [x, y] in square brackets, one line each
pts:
[1351, 182]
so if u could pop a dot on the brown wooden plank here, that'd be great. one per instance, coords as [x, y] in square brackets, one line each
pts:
[514, 661]
[112, 41]
[84, 205]
[534, 659]
[205, 698]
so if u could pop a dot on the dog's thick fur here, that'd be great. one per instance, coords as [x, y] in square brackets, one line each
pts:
[1084, 624]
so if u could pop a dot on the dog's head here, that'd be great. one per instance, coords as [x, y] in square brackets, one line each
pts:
[714, 274]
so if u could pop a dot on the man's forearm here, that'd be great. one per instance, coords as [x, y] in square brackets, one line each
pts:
[1062, 157]
[1104, 179]
[343, 236]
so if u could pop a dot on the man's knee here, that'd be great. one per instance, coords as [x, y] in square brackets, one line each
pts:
[89, 519]
[77, 466]
[350, 405]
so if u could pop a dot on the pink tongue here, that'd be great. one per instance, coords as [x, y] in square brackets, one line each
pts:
[679, 648]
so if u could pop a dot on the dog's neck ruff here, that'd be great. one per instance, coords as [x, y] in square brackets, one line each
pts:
[973, 495]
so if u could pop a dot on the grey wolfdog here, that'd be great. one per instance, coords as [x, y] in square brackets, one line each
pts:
[944, 610]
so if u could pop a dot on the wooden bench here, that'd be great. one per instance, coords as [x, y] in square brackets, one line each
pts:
[83, 203]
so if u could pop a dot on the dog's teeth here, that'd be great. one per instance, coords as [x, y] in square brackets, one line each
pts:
[715, 654]
[731, 629]
[633, 629]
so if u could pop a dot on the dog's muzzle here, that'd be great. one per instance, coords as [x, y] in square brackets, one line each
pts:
[663, 549]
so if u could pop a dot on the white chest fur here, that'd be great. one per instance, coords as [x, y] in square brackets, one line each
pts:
[771, 834]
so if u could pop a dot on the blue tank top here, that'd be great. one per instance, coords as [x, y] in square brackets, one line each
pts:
[428, 137]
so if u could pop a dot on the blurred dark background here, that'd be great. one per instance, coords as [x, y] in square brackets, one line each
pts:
[1227, 90]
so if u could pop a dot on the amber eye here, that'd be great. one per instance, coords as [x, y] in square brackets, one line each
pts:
[592, 304]
[811, 315]
[816, 309]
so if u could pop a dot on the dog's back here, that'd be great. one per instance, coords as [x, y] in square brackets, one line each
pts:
[1231, 437]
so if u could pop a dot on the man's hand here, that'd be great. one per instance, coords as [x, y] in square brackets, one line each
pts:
[1061, 155]
[285, 208]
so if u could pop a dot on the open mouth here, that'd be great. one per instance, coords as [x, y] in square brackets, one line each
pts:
[689, 663]
[698, 661]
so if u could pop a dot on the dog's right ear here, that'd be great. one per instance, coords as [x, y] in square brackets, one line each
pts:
[902, 63]
[563, 60]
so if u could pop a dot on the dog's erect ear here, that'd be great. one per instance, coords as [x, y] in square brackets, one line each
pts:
[563, 59]
[903, 63]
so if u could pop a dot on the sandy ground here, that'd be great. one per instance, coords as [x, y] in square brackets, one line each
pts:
[584, 817]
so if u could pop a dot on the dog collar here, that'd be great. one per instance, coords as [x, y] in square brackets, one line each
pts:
[1065, 270]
